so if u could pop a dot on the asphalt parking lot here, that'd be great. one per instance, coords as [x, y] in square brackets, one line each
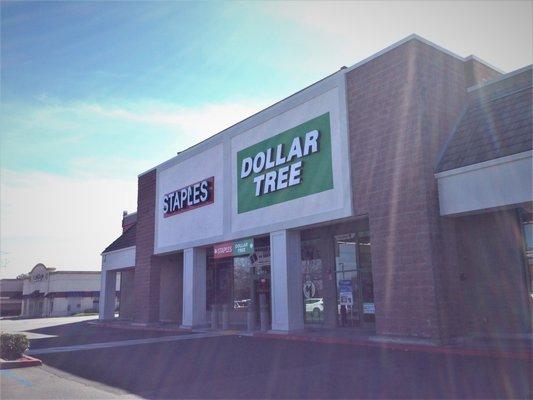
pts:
[81, 332]
[246, 367]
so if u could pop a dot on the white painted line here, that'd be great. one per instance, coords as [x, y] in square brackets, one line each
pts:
[122, 343]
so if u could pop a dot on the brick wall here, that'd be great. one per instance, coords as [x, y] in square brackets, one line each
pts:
[492, 271]
[476, 72]
[146, 265]
[171, 288]
[402, 107]
[128, 220]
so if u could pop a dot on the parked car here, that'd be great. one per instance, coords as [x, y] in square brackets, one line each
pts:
[315, 307]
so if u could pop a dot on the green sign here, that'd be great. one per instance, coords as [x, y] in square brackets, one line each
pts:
[243, 246]
[290, 165]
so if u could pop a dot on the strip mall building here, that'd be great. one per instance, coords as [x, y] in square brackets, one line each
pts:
[394, 196]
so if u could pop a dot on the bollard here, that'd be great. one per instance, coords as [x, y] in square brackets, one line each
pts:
[263, 312]
[250, 317]
[225, 317]
[214, 317]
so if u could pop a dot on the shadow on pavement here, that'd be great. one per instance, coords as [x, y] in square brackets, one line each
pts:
[79, 333]
[244, 367]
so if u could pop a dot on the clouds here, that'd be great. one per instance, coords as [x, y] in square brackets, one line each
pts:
[120, 137]
[195, 122]
[69, 169]
[348, 32]
[59, 220]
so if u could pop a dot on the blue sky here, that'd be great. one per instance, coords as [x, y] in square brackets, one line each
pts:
[93, 93]
[60, 60]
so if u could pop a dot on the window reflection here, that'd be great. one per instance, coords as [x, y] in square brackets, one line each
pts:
[242, 282]
[312, 281]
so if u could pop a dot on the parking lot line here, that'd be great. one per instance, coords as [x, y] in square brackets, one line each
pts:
[122, 343]
[16, 377]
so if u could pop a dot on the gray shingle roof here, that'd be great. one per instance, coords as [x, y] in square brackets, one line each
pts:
[127, 239]
[497, 122]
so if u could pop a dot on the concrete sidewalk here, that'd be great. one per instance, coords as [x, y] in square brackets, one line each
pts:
[50, 383]
[521, 348]
[509, 347]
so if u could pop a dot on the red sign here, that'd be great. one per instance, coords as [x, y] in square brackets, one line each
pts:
[223, 250]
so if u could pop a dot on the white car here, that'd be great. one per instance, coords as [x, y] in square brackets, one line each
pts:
[315, 307]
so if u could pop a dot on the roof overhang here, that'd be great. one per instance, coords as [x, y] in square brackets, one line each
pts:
[500, 182]
[119, 259]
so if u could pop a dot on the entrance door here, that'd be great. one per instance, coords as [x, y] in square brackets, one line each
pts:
[261, 278]
[353, 270]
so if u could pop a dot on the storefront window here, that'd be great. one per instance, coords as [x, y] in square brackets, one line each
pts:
[313, 284]
[242, 282]
[355, 288]
[528, 242]
[219, 281]
[237, 281]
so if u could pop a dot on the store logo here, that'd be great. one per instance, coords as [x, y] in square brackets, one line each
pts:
[190, 197]
[233, 249]
[292, 164]
[39, 277]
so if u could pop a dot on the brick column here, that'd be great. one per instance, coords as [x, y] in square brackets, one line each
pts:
[146, 265]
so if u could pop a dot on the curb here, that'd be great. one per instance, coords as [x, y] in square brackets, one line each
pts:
[23, 362]
[141, 327]
[463, 351]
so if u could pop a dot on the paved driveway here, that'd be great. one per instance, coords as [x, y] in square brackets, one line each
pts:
[246, 367]
[14, 325]
[68, 331]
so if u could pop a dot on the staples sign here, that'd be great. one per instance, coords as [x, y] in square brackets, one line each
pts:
[196, 195]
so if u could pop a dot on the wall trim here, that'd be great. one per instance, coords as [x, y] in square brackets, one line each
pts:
[485, 164]
[500, 78]
[118, 250]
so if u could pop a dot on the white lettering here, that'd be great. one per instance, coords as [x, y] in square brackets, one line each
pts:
[259, 162]
[246, 167]
[296, 149]
[183, 197]
[257, 180]
[165, 204]
[295, 172]
[177, 203]
[204, 193]
[196, 193]
[189, 195]
[311, 142]
[280, 158]
[282, 177]
[269, 162]
[270, 182]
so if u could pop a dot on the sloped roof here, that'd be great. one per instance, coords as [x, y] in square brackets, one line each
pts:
[127, 239]
[497, 122]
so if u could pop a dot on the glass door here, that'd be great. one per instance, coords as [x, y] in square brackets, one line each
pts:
[312, 282]
[353, 270]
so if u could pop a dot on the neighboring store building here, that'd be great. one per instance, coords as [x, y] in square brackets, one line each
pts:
[394, 196]
[50, 293]
[10, 297]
